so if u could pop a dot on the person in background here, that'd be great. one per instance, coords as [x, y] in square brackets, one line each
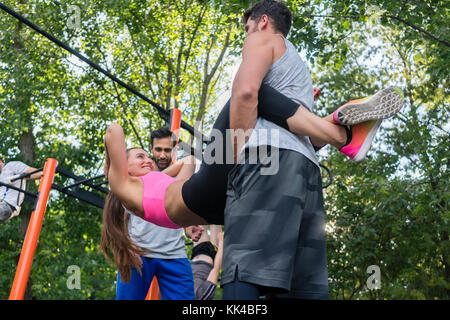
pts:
[206, 262]
[10, 199]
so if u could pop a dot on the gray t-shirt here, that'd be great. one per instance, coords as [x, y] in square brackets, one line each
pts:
[290, 76]
[163, 243]
[9, 195]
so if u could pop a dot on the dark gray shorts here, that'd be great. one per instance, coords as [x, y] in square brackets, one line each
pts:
[204, 289]
[275, 229]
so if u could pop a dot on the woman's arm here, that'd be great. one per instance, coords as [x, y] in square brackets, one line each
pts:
[116, 157]
[127, 189]
[182, 169]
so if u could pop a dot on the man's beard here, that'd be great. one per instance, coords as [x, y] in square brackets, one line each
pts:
[164, 165]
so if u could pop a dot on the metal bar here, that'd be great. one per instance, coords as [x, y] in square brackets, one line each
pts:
[83, 181]
[69, 174]
[86, 196]
[175, 122]
[154, 293]
[99, 184]
[18, 189]
[25, 175]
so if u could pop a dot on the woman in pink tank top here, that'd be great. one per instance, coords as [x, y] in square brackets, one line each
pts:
[155, 196]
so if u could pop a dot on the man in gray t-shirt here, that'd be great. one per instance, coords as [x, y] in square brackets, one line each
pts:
[10, 199]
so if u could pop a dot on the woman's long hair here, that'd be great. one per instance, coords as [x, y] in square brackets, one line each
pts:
[116, 240]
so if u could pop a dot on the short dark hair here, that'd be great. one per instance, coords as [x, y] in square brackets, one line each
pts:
[161, 133]
[276, 10]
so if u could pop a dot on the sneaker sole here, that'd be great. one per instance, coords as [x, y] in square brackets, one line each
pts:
[382, 105]
[367, 143]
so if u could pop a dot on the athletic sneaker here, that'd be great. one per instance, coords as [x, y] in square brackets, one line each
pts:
[359, 139]
[383, 104]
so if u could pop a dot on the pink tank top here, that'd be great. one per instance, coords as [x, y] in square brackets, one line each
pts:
[155, 186]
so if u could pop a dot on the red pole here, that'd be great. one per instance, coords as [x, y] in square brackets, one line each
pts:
[175, 124]
[34, 228]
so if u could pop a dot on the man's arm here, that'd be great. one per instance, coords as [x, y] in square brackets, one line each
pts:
[257, 57]
[34, 176]
[19, 168]
[214, 273]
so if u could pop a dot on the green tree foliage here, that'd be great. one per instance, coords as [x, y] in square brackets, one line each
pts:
[391, 210]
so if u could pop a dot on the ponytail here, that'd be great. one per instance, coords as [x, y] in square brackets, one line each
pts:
[116, 240]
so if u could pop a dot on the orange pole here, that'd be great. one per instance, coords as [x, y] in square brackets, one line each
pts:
[175, 124]
[34, 228]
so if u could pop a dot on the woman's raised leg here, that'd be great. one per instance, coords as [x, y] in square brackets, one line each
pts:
[176, 209]
[276, 107]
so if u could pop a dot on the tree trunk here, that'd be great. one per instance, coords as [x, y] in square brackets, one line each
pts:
[26, 145]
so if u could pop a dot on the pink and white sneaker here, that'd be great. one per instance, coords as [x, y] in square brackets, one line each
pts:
[383, 104]
[360, 137]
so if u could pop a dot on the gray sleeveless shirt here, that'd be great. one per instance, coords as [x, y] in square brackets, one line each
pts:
[290, 76]
[163, 243]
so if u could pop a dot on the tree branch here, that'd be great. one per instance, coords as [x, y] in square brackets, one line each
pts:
[417, 28]
[422, 30]
[200, 18]
[222, 53]
[138, 53]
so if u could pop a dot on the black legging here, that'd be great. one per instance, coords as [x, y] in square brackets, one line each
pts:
[205, 192]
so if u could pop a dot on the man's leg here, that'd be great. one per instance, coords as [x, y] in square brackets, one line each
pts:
[310, 275]
[262, 221]
[240, 290]
[175, 279]
[137, 287]
[5, 211]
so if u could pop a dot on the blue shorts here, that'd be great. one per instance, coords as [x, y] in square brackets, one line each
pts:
[174, 276]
